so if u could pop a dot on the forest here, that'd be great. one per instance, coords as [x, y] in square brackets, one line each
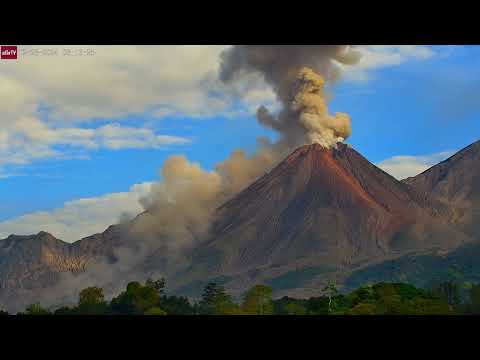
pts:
[151, 298]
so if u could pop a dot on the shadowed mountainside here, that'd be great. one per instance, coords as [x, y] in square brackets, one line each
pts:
[318, 209]
[320, 214]
[455, 182]
[30, 265]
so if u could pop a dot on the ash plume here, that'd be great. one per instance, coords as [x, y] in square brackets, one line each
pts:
[297, 74]
[180, 209]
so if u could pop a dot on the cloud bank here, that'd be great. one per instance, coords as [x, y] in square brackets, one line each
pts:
[51, 100]
[79, 218]
[382, 56]
[50, 107]
[404, 166]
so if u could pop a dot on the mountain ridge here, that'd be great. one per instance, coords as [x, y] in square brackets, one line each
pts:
[454, 181]
[320, 214]
[320, 207]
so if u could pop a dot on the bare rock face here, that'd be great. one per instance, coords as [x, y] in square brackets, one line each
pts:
[309, 204]
[42, 255]
[455, 182]
[320, 214]
[320, 208]
[30, 265]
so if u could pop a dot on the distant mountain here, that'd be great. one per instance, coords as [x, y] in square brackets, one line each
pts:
[423, 268]
[30, 265]
[320, 214]
[323, 211]
[455, 182]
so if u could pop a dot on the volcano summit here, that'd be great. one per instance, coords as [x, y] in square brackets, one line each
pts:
[320, 214]
[320, 208]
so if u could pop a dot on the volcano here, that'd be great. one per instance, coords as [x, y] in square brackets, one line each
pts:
[320, 214]
[320, 208]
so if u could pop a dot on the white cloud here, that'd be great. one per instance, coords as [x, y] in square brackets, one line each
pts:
[29, 139]
[51, 101]
[402, 167]
[380, 56]
[83, 217]
[121, 80]
[5, 175]
[79, 218]
[113, 136]
[116, 81]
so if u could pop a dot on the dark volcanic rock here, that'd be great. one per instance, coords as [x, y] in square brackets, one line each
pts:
[30, 265]
[319, 214]
[319, 207]
[456, 182]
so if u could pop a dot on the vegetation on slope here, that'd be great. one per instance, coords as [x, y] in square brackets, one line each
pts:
[384, 298]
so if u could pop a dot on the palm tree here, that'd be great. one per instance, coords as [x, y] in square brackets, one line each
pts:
[331, 291]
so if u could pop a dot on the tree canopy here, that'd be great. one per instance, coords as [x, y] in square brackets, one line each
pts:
[150, 298]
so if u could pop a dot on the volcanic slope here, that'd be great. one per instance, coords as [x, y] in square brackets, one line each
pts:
[456, 182]
[319, 208]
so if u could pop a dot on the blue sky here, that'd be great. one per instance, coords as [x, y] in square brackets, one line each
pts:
[409, 108]
[416, 108]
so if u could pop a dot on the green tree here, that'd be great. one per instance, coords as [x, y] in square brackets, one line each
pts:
[92, 302]
[135, 300]
[290, 306]
[65, 310]
[176, 305]
[295, 309]
[430, 306]
[258, 301]
[389, 301]
[363, 309]
[474, 295]
[3, 312]
[317, 305]
[331, 291]
[215, 301]
[155, 311]
[449, 291]
[158, 285]
[364, 294]
[91, 295]
[36, 309]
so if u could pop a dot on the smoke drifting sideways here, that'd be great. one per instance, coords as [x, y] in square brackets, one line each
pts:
[180, 209]
[297, 74]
